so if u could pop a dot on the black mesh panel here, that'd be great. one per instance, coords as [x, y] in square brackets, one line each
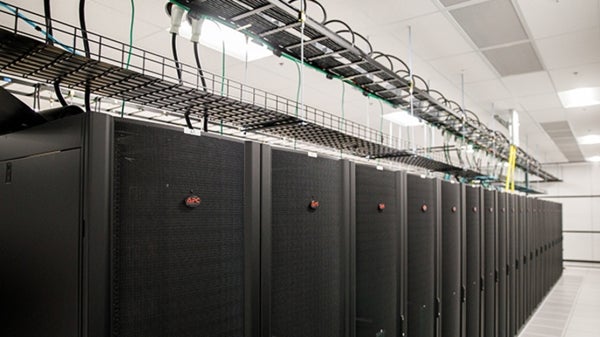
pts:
[473, 227]
[307, 265]
[177, 271]
[451, 259]
[502, 261]
[421, 212]
[377, 253]
[490, 218]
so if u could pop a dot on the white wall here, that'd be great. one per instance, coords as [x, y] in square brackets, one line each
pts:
[580, 195]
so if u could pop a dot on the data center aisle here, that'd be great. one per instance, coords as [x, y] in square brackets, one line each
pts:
[572, 308]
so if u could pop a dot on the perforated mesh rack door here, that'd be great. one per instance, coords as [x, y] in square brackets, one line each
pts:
[451, 237]
[421, 244]
[379, 250]
[491, 266]
[475, 274]
[501, 259]
[177, 271]
[309, 238]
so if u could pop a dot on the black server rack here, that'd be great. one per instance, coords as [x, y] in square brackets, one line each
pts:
[520, 263]
[539, 258]
[123, 228]
[136, 233]
[380, 252]
[453, 291]
[475, 262]
[501, 259]
[423, 302]
[491, 263]
[559, 235]
[531, 256]
[306, 237]
[511, 275]
[544, 246]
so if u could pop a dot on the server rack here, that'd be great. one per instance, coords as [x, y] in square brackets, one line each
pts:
[475, 262]
[306, 241]
[254, 241]
[522, 261]
[452, 260]
[133, 222]
[539, 221]
[380, 252]
[503, 270]
[511, 275]
[491, 263]
[423, 293]
[531, 254]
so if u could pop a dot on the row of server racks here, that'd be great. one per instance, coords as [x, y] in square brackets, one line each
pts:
[114, 227]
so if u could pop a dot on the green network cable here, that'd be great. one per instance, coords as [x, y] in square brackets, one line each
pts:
[130, 48]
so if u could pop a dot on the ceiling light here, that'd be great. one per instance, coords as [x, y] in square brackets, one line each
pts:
[236, 43]
[594, 159]
[589, 140]
[580, 97]
[402, 118]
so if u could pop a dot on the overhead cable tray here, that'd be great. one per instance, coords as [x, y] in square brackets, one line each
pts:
[151, 81]
[335, 48]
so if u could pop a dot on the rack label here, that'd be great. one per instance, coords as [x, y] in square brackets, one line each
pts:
[193, 132]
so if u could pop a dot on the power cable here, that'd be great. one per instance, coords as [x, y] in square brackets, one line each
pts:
[199, 66]
[175, 57]
[86, 47]
[48, 18]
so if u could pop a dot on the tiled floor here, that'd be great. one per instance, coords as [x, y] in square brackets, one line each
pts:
[572, 309]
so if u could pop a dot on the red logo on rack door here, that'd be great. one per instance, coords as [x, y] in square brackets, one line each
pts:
[380, 207]
[193, 201]
[454, 209]
[314, 204]
[424, 208]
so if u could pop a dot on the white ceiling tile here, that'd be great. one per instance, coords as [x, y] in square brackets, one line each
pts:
[529, 84]
[365, 15]
[471, 65]
[548, 115]
[590, 150]
[487, 91]
[503, 106]
[577, 77]
[395, 11]
[547, 18]
[433, 36]
[584, 121]
[540, 102]
[571, 49]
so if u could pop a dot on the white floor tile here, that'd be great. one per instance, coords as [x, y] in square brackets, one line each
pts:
[572, 309]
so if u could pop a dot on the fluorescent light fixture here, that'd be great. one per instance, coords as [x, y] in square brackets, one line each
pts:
[589, 140]
[580, 97]
[402, 118]
[236, 44]
[594, 159]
